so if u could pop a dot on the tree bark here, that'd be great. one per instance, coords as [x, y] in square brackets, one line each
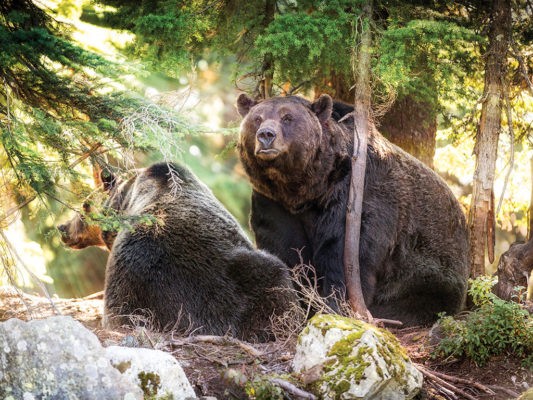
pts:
[530, 210]
[481, 217]
[362, 117]
[412, 125]
[267, 69]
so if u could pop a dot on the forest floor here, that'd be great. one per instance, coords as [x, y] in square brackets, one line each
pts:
[218, 369]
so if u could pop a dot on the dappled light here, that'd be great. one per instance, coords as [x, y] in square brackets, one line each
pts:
[212, 179]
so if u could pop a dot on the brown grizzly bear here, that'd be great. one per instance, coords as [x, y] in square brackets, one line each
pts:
[413, 248]
[194, 262]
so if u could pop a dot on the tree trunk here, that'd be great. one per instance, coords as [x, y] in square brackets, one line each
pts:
[530, 210]
[481, 217]
[355, 199]
[267, 69]
[412, 125]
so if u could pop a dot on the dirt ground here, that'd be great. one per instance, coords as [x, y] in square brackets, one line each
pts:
[217, 367]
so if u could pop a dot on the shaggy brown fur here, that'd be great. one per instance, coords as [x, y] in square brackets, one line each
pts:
[195, 262]
[413, 249]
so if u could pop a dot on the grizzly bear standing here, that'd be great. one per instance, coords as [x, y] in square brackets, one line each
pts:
[194, 266]
[413, 248]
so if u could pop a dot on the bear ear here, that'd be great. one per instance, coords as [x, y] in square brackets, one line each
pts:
[103, 178]
[323, 107]
[108, 180]
[244, 104]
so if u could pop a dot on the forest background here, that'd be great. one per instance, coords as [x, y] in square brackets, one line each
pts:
[128, 83]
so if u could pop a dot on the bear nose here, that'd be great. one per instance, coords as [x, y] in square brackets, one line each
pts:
[266, 136]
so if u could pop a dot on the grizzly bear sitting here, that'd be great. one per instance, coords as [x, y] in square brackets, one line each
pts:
[413, 248]
[193, 267]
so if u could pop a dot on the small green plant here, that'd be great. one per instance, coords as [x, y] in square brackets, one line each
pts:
[495, 327]
[261, 388]
[256, 386]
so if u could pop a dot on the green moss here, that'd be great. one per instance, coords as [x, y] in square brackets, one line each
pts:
[348, 364]
[341, 387]
[123, 366]
[394, 355]
[325, 322]
[150, 383]
[344, 347]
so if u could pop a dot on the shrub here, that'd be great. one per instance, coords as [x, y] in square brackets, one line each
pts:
[495, 327]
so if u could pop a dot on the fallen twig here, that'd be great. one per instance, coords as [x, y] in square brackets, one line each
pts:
[456, 379]
[222, 340]
[446, 393]
[377, 321]
[292, 389]
[95, 296]
[443, 383]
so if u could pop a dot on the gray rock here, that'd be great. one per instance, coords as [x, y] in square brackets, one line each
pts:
[156, 372]
[57, 358]
[348, 359]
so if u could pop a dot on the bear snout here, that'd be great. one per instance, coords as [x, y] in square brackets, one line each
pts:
[267, 147]
[63, 230]
[266, 136]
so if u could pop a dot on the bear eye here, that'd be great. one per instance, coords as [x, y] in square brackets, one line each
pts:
[286, 118]
[258, 119]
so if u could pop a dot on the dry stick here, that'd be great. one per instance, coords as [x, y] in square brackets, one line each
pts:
[295, 391]
[469, 382]
[387, 321]
[443, 383]
[448, 394]
[223, 340]
[95, 296]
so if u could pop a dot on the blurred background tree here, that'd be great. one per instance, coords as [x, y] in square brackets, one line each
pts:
[62, 105]
[192, 57]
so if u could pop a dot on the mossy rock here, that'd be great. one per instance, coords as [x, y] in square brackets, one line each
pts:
[358, 360]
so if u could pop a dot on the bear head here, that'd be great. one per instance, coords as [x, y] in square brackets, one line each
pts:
[283, 130]
[291, 148]
[77, 233]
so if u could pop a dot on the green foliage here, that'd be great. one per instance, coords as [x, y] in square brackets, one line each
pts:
[427, 57]
[256, 387]
[61, 106]
[310, 46]
[494, 328]
[110, 220]
[261, 388]
[481, 290]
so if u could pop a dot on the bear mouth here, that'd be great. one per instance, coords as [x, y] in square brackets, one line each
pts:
[267, 154]
[72, 243]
